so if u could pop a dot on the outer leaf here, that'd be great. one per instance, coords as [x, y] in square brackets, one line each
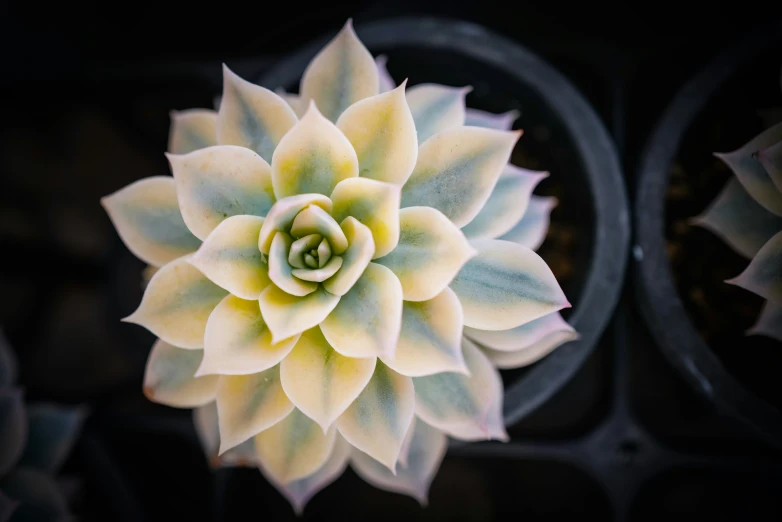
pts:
[436, 108]
[506, 205]
[283, 213]
[355, 259]
[752, 174]
[457, 170]
[382, 131]
[532, 229]
[208, 431]
[238, 341]
[293, 100]
[147, 218]
[219, 182]
[299, 492]
[252, 116]
[430, 341]
[427, 450]
[431, 251]
[404, 451]
[771, 159]
[373, 203]
[367, 320]
[522, 336]
[170, 379]
[312, 158]
[502, 121]
[769, 323]
[191, 130]
[177, 303]
[38, 495]
[386, 82]
[13, 428]
[763, 276]
[7, 507]
[464, 407]
[53, 431]
[281, 272]
[249, 404]
[531, 353]
[378, 420]
[341, 74]
[321, 382]
[8, 364]
[288, 315]
[739, 220]
[230, 257]
[505, 286]
[294, 448]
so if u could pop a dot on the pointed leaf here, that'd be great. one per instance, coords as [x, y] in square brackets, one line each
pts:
[281, 272]
[502, 121]
[763, 276]
[208, 431]
[218, 182]
[13, 428]
[373, 203]
[436, 108]
[505, 286]
[367, 320]
[532, 353]
[282, 214]
[252, 116]
[506, 205]
[321, 382]
[430, 253]
[382, 131]
[739, 220]
[293, 100]
[467, 407]
[191, 130]
[8, 364]
[249, 404]
[288, 315]
[238, 341]
[147, 218]
[532, 229]
[771, 159]
[53, 431]
[170, 379]
[38, 494]
[177, 303]
[752, 174]
[299, 492]
[385, 81]
[355, 259]
[341, 74]
[312, 158]
[457, 170]
[404, 451]
[520, 337]
[378, 420]
[230, 257]
[431, 336]
[769, 323]
[294, 448]
[427, 450]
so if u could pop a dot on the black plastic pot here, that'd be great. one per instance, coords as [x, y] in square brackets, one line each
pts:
[563, 135]
[675, 333]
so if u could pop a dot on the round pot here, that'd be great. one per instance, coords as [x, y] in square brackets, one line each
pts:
[660, 301]
[588, 240]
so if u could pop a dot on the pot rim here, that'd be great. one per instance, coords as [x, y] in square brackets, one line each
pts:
[598, 155]
[657, 297]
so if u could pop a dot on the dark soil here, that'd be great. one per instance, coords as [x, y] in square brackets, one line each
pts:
[700, 260]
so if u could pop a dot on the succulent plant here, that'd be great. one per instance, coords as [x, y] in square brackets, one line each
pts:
[335, 276]
[747, 216]
[35, 440]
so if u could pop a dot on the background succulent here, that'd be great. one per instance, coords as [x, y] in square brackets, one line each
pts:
[35, 440]
[747, 215]
[334, 275]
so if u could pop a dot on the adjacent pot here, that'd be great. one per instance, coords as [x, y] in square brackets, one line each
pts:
[660, 302]
[589, 237]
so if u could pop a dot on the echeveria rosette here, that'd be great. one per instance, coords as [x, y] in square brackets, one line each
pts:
[316, 261]
[35, 440]
[747, 215]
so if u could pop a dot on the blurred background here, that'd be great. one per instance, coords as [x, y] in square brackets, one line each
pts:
[88, 90]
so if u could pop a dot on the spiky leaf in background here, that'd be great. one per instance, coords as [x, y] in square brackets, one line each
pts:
[336, 273]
